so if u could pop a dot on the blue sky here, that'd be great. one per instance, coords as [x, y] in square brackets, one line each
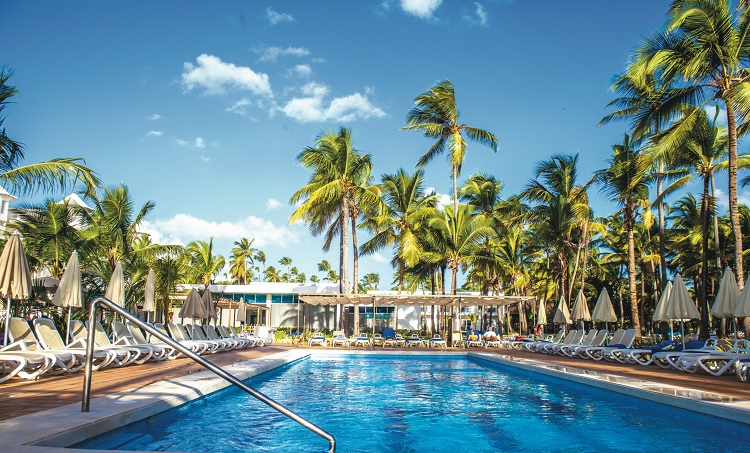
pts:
[203, 106]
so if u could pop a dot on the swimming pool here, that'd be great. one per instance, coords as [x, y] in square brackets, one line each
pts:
[385, 403]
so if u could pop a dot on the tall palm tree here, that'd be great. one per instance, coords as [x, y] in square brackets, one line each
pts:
[202, 264]
[54, 174]
[242, 253]
[625, 182]
[435, 114]
[460, 234]
[260, 256]
[704, 51]
[559, 214]
[272, 275]
[338, 172]
[702, 152]
[643, 100]
[405, 209]
[49, 234]
[286, 261]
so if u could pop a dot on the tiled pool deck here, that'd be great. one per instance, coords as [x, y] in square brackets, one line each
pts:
[39, 416]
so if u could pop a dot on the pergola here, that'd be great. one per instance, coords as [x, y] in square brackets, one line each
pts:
[390, 300]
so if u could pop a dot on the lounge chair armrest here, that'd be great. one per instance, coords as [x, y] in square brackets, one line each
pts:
[79, 343]
[127, 341]
[20, 345]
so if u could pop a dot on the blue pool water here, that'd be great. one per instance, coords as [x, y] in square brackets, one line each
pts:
[424, 404]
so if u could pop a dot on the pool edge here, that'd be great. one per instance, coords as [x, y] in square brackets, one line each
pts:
[52, 430]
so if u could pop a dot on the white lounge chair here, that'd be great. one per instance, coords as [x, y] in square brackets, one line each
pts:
[317, 338]
[437, 341]
[51, 340]
[339, 338]
[24, 364]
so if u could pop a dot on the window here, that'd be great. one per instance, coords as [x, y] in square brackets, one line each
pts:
[284, 298]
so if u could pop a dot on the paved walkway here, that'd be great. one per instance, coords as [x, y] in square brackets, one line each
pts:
[18, 397]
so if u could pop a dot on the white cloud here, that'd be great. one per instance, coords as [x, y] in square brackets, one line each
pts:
[722, 199]
[443, 199]
[183, 228]
[206, 158]
[239, 106]
[379, 258]
[302, 70]
[155, 117]
[277, 18]
[199, 143]
[154, 133]
[273, 203]
[721, 117]
[181, 142]
[481, 14]
[216, 76]
[312, 108]
[271, 54]
[421, 9]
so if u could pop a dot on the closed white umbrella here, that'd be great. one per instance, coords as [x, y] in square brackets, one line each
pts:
[678, 307]
[208, 306]
[726, 298]
[743, 304]
[15, 277]
[116, 287]
[193, 306]
[562, 315]
[603, 310]
[69, 294]
[580, 310]
[541, 315]
[149, 303]
[241, 314]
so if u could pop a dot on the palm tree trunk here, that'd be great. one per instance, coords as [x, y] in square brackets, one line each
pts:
[632, 271]
[734, 213]
[355, 254]
[716, 226]
[702, 296]
[662, 235]
[455, 190]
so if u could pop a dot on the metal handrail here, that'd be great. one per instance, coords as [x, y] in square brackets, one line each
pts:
[195, 357]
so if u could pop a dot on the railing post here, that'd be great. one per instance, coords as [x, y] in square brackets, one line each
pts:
[89, 368]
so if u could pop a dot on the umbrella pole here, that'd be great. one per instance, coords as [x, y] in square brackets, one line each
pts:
[67, 328]
[682, 333]
[7, 321]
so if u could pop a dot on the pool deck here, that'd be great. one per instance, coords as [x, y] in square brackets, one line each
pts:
[18, 397]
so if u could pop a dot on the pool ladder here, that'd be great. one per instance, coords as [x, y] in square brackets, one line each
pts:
[195, 357]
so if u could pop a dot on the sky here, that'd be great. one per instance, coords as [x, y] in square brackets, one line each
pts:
[202, 107]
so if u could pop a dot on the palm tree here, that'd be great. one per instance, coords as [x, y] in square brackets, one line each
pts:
[325, 267]
[369, 282]
[339, 175]
[272, 275]
[435, 114]
[460, 235]
[286, 261]
[260, 257]
[560, 213]
[202, 264]
[644, 102]
[701, 153]
[626, 183]
[49, 234]
[242, 253]
[45, 176]
[314, 279]
[113, 228]
[704, 51]
[405, 209]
